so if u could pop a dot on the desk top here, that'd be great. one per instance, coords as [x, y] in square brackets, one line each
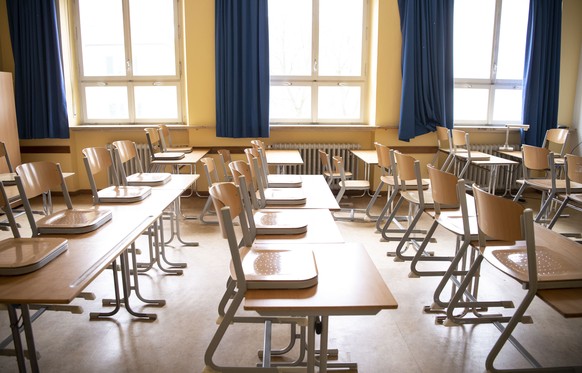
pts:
[189, 158]
[321, 228]
[285, 157]
[517, 155]
[348, 284]
[318, 194]
[369, 156]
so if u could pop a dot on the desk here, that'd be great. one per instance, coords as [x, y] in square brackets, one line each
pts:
[318, 194]
[190, 159]
[282, 158]
[344, 269]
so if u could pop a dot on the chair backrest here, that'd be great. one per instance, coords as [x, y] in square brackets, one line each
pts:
[443, 186]
[225, 158]
[210, 170]
[226, 197]
[153, 139]
[556, 138]
[7, 209]
[535, 158]
[460, 139]
[325, 161]
[241, 168]
[339, 167]
[408, 169]
[40, 178]
[258, 167]
[124, 151]
[98, 160]
[4, 154]
[573, 167]
[165, 137]
[498, 218]
[384, 162]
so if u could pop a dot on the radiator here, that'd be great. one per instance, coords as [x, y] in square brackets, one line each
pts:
[131, 167]
[310, 154]
[480, 175]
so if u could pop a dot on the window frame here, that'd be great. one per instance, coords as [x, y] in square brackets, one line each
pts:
[493, 83]
[315, 80]
[129, 80]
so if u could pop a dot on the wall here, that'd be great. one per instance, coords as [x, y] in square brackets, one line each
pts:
[198, 41]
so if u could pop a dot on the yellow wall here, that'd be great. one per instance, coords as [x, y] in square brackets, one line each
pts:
[384, 92]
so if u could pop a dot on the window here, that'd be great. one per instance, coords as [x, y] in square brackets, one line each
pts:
[129, 61]
[489, 53]
[316, 50]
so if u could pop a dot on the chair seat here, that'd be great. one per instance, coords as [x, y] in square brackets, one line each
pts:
[551, 265]
[413, 197]
[284, 181]
[270, 268]
[355, 184]
[337, 174]
[453, 222]
[284, 196]
[23, 255]
[74, 221]
[149, 178]
[124, 194]
[547, 184]
[279, 222]
[168, 156]
[389, 179]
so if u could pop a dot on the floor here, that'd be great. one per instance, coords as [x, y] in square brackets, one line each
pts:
[401, 340]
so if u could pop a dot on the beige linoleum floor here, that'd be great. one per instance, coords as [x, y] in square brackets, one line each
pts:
[401, 340]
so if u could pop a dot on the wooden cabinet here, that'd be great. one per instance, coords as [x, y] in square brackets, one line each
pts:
[8, 126]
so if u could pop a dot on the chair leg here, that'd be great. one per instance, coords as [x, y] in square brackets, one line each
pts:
[423, 256]
[520, 192]
[558, 212]
[205, 211]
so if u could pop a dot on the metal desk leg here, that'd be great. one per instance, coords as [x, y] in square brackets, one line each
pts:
[16, 337]
[175, 224]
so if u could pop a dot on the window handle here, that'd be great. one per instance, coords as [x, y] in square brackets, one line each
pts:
[315, 64]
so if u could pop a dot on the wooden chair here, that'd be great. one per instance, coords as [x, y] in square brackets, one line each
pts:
[393, 184]
[10, 189]
[537, 268]
[272, 180]
[444, 137]
[272, 196]
[125, 153]
[40, 178]
[570, 198]
[98, 161]
[555, 140]
[463, 156]
[346, 185]
[157, 152]
[167, 143]
[254, 268]
[541, 160]
[407, 170]
[224, 158]
[211, 177]
[328, 170]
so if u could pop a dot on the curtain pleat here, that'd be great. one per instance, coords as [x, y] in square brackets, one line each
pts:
[41, 107]
[242, 68]
[427, 66]
[541, 78]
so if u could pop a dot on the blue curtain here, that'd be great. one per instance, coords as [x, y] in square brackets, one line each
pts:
[242, 68]
[427, 66]
[41, 108]
[541, 77]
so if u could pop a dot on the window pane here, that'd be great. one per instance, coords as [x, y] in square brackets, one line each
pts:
[471, 104]
[507, 105]
[152, 37]
[473, 38]
[337, 102]
[102, 42]
[290, 102]
[340, 37]
[290, 37]
[106, 102]
[156, 102]
[514, 15]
